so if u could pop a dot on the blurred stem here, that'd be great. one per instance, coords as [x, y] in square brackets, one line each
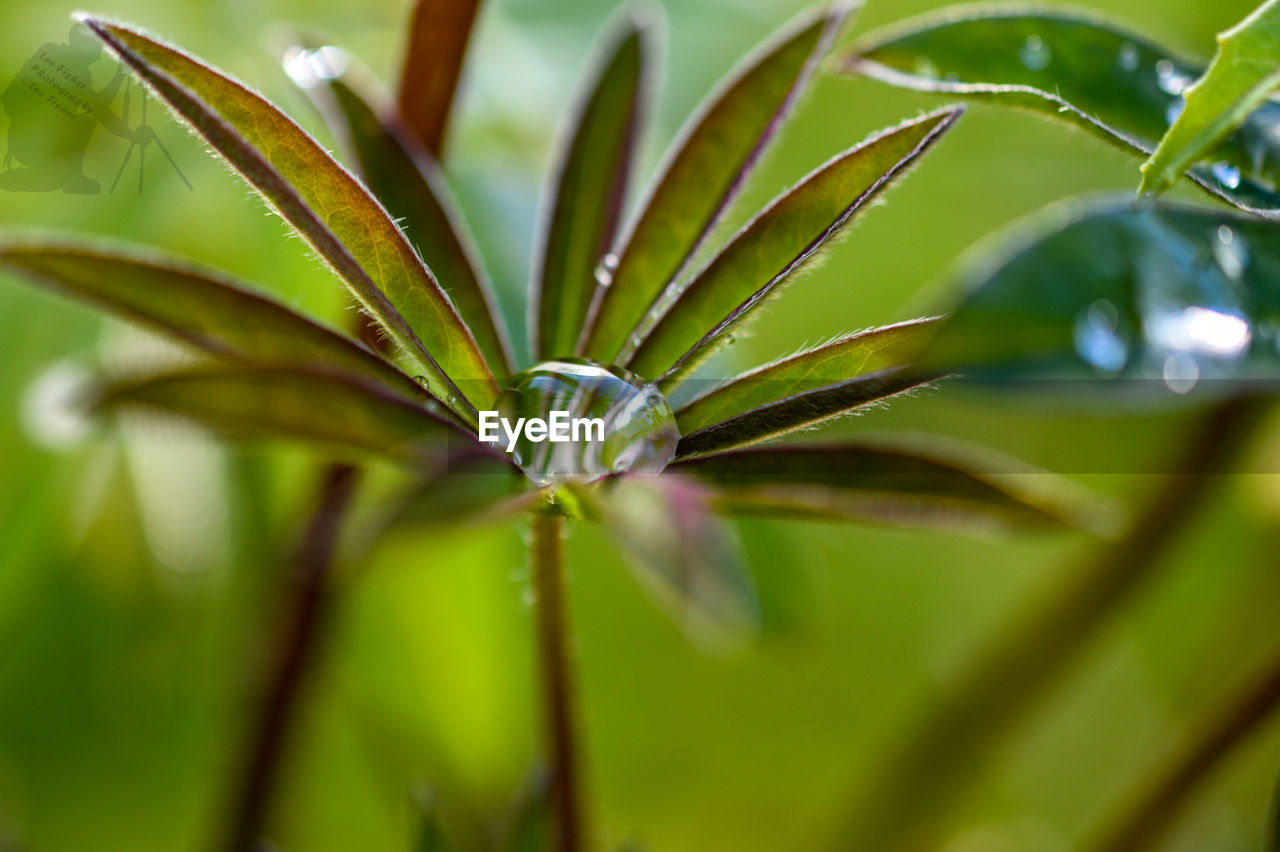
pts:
[552, 624]
[915, 791]
[1154, 811]
[300, 630]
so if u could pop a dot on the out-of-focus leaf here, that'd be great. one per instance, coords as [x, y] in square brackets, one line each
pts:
[438, 36]
[842, 359]
[328, 207]
[800, 410]
[582, 220]
[1244, 73]
[470, 488]
[1169, 295]
[705, 171]
[339, 412]
[967, 490]
[774, 245]
[199, 307]
[680, 552]
[1117, 85]
[528, 825]
[408, 182]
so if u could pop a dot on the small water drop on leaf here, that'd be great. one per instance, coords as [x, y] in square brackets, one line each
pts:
[1226, 174]
[1128, 56]
[1035, 54]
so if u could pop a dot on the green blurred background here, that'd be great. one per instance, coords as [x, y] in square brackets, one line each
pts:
[139, 569]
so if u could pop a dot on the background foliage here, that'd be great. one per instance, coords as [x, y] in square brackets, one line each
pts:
[136, 567]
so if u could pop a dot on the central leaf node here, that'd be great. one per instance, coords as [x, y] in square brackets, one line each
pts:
[573, 418]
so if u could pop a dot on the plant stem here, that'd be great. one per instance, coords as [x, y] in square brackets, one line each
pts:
[922, 780]
[552, 624]
[1153, 813]
[300, 632]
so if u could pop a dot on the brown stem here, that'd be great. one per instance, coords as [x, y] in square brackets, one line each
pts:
[438, 36]
[292, 662]
[924, 778]
[1152, 815]
[550, 613]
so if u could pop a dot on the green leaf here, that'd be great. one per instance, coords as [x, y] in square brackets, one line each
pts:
[1241, 78]
[582, 220]
[769, 250]
[965, 489]
[338, 412]
[328, 207]
[473, 488]
[842, 359]
[680, 552]
[409, 183]
[1168, 295]
[1118, 86]
[800, 410]
[704, 172]
[437, 44]
[199, 307]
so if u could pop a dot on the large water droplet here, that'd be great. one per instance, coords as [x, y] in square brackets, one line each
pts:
[1097, 338]
[1035, 54]
[596, 420]
[1127, 58]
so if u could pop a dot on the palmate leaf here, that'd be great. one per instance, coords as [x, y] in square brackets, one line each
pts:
[801, 410]
[582, 219]
[704, 172]
[409, 183]
[1117, 85]
[842, 359]
[199, 307]
[1244, 73]
[680, 552]
[328, 207]
[338, 412]
[1168, 295]
[774, 245]
[437, 44]
[964, 489]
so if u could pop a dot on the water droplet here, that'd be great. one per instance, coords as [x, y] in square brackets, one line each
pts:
[1127, 58]
[422, 380]
[925, 68]
[1170, 79]
[1202, 331]
[1231, 254]
[53, 406]
[1035, 54]
[1226, 174]
[310, 68]
[1097, 340]
[605, 269]
[1181, 372]
[607, 420]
